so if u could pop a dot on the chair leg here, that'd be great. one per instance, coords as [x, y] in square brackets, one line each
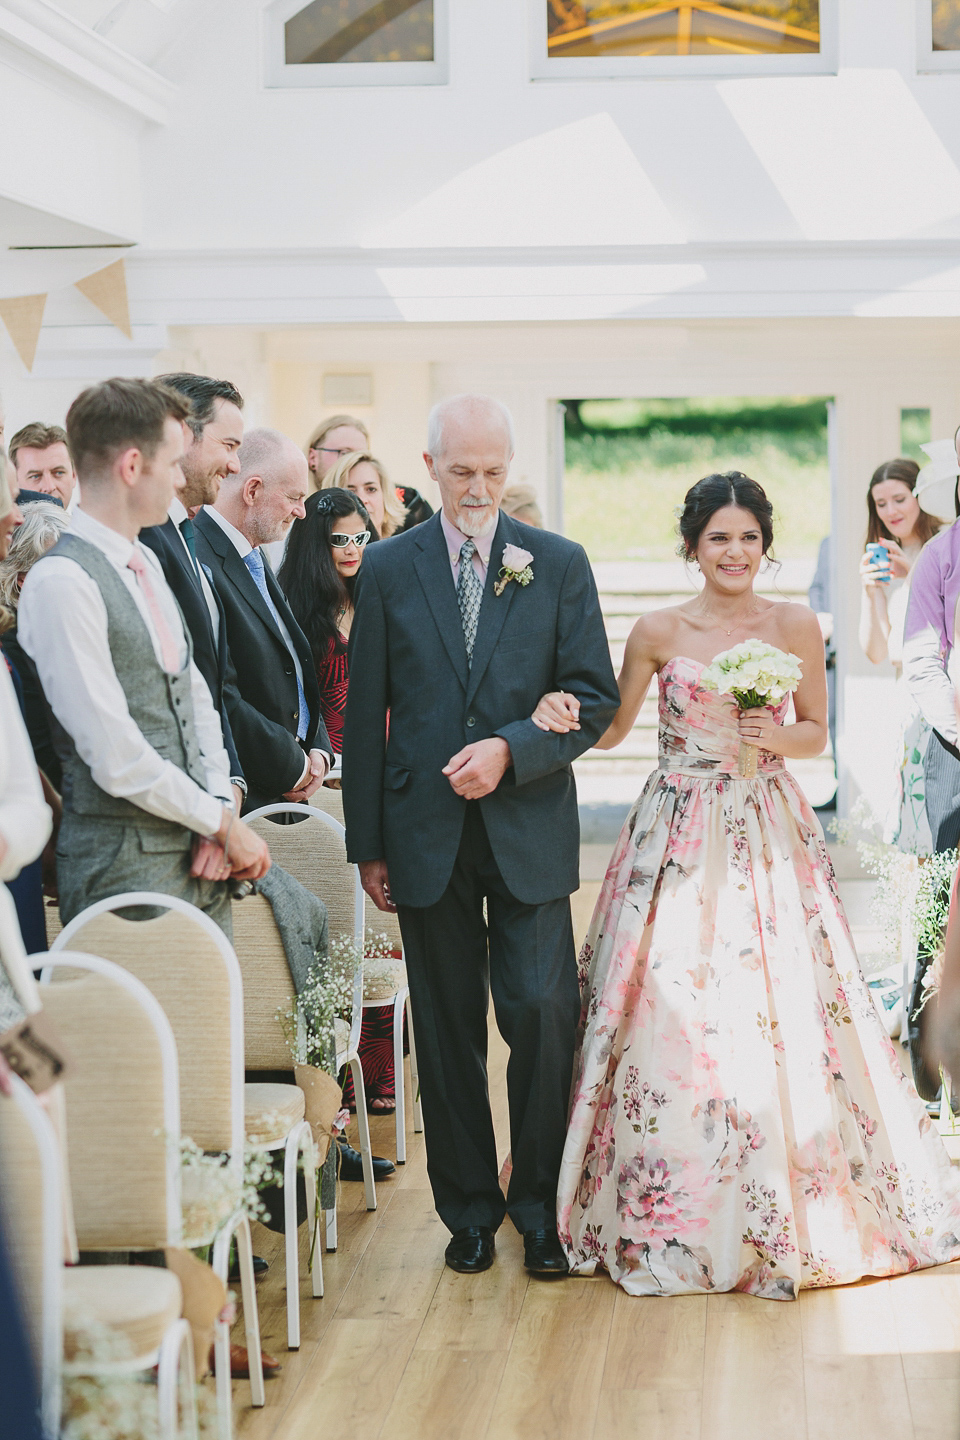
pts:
[291, 1238]
[221, 1344]
[176, 1363]
[398, 1086]
[239, 1226]
[363, 1125]
[331, 1227]
[414, 1072]
[314, 1248]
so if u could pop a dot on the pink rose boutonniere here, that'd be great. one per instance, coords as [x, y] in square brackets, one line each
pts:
[516, 566]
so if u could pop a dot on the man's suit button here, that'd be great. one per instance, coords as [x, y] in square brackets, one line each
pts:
[471, 721]
[288, 670]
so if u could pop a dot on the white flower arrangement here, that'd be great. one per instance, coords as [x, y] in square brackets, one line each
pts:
[310, 1024]
[755, 675]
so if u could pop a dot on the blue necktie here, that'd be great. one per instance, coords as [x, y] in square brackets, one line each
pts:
[254, 563]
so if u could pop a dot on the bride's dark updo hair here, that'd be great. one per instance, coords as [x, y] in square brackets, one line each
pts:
[713, 493]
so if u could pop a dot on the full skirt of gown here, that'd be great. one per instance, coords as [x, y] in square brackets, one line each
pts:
[739, 1119]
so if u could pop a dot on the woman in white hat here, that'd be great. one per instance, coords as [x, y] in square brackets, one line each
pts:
[897, 530]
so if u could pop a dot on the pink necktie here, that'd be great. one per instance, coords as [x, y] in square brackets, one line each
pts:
[169, 649]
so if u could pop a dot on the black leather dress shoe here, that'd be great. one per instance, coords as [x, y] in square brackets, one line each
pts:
[543, 1253]
[471, 1250]
[260, 1268]
[351, 1164]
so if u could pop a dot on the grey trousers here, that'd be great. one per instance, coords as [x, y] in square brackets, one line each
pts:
[98, 857]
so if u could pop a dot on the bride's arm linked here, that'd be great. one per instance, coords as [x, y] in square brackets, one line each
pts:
[800, 634]
[559, 711]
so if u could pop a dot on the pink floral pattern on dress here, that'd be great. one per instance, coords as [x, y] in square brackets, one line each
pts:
[739, 1118]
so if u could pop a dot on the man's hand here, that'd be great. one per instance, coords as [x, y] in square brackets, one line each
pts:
[477, 769]
[376, 882]
[239, 799]
[311, 780]
[247, 856]
[209, 861]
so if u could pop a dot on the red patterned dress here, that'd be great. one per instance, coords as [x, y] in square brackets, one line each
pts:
[376, 1037]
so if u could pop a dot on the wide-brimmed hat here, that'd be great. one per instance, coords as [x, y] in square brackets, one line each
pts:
[936, 487]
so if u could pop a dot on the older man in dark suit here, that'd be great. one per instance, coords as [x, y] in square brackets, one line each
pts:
[272, 697]
[461, 625]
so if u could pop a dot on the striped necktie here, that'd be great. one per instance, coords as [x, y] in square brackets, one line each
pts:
[469, 596]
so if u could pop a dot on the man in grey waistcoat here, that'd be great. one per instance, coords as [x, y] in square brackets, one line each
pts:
[147, 801]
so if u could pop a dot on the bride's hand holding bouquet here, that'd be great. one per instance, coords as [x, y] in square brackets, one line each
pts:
[756, 676]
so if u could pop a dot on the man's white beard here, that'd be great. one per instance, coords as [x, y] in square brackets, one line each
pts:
[476, 520]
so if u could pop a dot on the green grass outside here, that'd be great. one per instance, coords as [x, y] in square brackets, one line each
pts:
[624, 481]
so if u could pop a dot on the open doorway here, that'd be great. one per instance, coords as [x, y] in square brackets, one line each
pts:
[628, 465]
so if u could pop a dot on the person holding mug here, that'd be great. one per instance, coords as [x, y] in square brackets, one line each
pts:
[897, 530]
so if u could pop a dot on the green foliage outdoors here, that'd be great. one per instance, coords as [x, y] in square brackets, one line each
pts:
[630, 463]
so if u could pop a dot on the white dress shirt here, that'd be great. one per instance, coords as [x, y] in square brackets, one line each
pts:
[25, 820]
[62, 625]
[178, 513]
[243, 547]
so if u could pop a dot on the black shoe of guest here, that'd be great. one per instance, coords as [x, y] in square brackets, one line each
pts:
[351, 1164]
[471, 1250]
[260, 1268]
[543, 1253]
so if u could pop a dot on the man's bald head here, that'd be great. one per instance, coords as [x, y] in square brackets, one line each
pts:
[266, 495]
[469, 449]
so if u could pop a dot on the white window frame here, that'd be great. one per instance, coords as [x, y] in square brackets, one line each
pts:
[648, 67]
[930, 61]
[279, 75]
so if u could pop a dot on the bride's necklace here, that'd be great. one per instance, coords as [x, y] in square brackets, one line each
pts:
[747, 613]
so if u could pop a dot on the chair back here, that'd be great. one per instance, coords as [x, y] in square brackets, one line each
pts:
[379, 922]
[313, 851]
[188, 965]
[267, 984]
[122, 1104]
[31, 1183]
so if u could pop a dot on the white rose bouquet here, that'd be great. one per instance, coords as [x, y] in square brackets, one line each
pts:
[755, 675]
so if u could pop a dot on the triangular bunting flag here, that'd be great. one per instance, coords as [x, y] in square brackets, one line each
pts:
[23, 316]
[107, 289]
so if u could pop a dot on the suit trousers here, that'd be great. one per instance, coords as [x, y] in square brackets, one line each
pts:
[941, 788]
[455, 957]
[98, 857]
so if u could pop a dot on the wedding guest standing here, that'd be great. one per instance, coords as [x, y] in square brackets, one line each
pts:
[318, 577]
[43, 463]
[274, 702]
[146, 797]
[367, 479]
[25, 819]
[896, 523]
[214, 433]
[333, 438]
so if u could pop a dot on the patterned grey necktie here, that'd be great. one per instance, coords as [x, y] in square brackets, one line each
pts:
[469, 596]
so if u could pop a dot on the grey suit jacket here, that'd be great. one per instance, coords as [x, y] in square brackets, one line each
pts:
[407, 658]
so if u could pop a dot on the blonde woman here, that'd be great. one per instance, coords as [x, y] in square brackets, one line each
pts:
[360, 473]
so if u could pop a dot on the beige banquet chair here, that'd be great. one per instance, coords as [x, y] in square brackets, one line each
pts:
[314, 852]
[122, 1142]
[386, 984]
[188, 965]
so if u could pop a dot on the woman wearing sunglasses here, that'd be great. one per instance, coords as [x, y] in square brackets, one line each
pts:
[318, 576]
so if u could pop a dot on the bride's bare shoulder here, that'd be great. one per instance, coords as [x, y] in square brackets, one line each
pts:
[795, 623]
[654, 635]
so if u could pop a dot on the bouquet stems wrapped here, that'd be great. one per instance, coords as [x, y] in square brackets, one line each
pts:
[755, 675]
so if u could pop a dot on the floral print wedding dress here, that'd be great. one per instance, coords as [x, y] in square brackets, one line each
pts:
[739, 1118]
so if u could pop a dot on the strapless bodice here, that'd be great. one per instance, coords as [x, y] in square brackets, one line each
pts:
[698, 727]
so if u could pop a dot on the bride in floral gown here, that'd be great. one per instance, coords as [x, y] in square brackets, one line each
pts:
[739, 1119]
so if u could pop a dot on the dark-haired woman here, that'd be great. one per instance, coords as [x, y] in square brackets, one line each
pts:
[896, 521]
[318, 576]
[739, 1119]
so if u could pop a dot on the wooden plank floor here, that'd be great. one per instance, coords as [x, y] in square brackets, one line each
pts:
[402, 1348]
